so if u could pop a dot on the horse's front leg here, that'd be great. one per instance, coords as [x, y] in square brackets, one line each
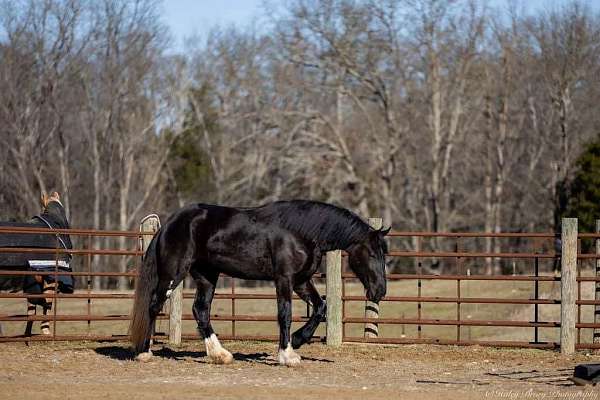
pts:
[201, 308]
[309, 294]
[287, 355]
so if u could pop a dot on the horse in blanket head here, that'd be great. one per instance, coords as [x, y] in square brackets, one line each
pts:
[52, 217]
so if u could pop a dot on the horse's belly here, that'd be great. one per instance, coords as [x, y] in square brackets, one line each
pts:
[244, 268]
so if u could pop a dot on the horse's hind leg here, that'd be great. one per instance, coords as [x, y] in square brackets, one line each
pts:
[287, 356]
[156, 305]
[170, 276]
[309, 294]
[31, 311]
[204, 295]
[45, 326]
[49, 288]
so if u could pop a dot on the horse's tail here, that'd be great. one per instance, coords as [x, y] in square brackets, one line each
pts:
[146, 286]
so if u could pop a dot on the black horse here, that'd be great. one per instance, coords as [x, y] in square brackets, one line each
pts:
[53, 216]
[282, 242]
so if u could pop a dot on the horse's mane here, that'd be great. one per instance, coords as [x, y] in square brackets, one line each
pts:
[328, 226]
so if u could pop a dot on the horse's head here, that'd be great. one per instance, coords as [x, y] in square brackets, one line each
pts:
[51, 205]
[367, 261]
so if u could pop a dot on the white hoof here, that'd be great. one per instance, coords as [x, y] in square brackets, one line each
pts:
[216, 352]
[46, 331]
[144, 357]
[222, 357]
[289, 357]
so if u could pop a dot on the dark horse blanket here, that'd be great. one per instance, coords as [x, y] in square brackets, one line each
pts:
[53, 217]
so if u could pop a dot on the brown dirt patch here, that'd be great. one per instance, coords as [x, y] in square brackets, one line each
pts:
[106, 371]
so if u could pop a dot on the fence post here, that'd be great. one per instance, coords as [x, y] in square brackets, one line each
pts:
[151, 223]
[334, 297]
[372, 309]
[596, 338]
[568, 286]
[175, 314]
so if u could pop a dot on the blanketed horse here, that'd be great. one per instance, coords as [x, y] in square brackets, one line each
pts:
[53, 217]
[281, 242]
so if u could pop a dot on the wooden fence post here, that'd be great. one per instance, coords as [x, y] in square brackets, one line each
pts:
[372, 309]
[568, 286]
[596, 338]
[151, 223]
[334, 298]
[175, 314]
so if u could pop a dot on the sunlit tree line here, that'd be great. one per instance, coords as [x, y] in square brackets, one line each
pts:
[435, 115]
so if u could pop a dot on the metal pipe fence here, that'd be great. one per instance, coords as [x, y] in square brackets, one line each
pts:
[458, 256]
[459, 299]
[82, 257]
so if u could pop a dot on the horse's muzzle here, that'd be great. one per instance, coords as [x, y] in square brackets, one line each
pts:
[376, 295]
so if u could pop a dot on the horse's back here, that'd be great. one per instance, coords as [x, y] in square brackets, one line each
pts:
[238, 242]
[23, 240]
[26, 239]
[22, 260]
[191, 228]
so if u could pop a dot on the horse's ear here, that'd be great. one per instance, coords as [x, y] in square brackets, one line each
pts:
[44, 200]
[384, 232]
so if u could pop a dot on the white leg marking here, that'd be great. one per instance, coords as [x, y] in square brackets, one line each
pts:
[170, 291]
[216, 352]
[289, 357]
[45, 325]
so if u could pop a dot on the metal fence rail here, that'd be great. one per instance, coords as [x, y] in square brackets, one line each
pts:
[459, 256]
[83, 256]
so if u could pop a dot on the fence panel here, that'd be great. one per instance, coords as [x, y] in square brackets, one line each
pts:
[453, 304]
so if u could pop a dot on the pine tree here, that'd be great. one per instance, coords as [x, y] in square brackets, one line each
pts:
[584, 190]
[191, 168]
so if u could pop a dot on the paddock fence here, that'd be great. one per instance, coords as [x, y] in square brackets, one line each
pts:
[492, 289]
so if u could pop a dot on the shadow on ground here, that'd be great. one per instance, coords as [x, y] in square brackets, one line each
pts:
[270, 359]
[124, 353]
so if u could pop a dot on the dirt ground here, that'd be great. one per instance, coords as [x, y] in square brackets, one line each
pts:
[106, 371]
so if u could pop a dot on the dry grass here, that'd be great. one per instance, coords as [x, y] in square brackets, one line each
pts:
[523, 290]
[106, 371]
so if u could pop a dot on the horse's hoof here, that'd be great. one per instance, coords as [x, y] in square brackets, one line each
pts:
[289, 357]
[144, 357]
[216, 352]
[294, 362]
[46, 331]
[222, 357]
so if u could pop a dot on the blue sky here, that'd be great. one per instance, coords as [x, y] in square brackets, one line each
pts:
[188, 17]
